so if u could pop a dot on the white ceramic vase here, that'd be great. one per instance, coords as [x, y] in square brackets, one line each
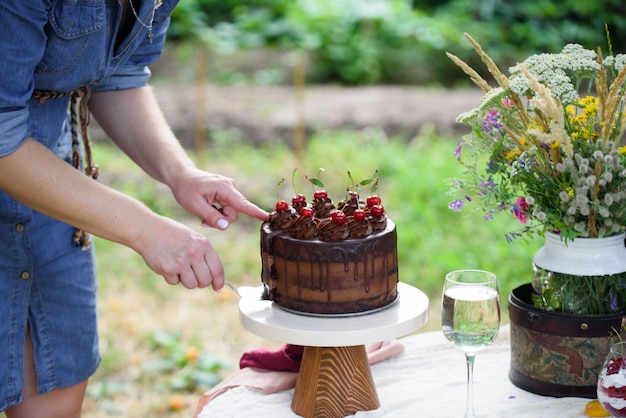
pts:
[581, 276]
[583, 256]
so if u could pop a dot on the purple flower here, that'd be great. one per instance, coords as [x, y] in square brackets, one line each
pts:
[613, 302]
[457, 151]
[490, 215]
[492, 121]
[456, 205]
[487, 187]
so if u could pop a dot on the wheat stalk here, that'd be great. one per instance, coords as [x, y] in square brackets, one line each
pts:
[474, 76]
[614, 97]
[500, 78]
[553, 111]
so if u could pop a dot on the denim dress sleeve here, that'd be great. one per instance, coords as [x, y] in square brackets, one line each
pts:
[22, 45]
[61, 45]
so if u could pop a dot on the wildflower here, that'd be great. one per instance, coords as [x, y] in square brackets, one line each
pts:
[534, 135]
[456, 205]
[613, 302]
[492, 121]
[457, 151]
[520, 209]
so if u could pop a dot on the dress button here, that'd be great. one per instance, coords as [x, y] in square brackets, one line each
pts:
[19, 227]
[25, 275]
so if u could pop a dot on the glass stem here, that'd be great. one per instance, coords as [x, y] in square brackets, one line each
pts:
[469, 408]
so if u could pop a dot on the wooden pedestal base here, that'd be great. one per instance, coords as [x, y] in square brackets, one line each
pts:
[334, 382]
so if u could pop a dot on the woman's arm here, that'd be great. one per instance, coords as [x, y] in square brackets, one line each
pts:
[39, 179]
[133, 120]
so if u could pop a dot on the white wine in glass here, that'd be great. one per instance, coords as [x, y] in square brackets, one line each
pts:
[470, 317]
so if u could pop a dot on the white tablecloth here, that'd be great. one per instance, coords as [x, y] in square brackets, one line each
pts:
[427, 380]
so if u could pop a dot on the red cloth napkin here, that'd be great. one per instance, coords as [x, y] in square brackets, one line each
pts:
[279, 369]
[286, 359]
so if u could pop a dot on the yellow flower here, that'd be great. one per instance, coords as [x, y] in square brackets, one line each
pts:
[555, 144]
[570, 192]
[622, 150]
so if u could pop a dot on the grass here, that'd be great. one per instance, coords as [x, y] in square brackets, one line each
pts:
[163, 346]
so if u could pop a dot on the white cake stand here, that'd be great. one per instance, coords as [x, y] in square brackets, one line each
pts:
[335, 378]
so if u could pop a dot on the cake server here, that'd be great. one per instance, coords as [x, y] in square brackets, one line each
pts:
[247, 292]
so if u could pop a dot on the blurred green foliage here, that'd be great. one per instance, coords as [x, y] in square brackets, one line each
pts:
[398, 41]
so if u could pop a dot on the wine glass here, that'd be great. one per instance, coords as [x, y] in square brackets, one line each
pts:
[470, 317]
[612, 381]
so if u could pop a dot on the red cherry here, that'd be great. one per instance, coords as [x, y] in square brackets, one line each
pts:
[299, 198]
[377, 210]
[306, 211]
[282, 205]
[320, 194]
[339, 217]
[373, 200]
[359, 214]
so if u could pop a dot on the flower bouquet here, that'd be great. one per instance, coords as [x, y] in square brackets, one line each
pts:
[545, 147]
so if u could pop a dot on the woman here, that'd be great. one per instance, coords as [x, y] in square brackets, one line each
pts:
[57, 52]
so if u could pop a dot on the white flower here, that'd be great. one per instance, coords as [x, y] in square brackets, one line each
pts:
[584, 210]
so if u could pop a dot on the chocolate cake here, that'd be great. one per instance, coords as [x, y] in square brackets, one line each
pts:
[322, 260]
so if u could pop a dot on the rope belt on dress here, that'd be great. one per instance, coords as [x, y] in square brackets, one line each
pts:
[79, 109]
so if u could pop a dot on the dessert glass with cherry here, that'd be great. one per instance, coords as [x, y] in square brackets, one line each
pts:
[612, 381]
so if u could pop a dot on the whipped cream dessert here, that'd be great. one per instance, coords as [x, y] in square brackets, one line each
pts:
[612, 387]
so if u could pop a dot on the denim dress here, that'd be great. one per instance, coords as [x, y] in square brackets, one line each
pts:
[46, 282]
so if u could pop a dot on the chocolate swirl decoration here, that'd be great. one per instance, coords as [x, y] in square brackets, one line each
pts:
[305, 227]
[359, 229]
[323, 207]
[378, 224]
[299, 205]
[351, 206]
[283, 219]
[330, 231]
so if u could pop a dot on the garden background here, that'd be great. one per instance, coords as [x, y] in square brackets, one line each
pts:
[255, 89]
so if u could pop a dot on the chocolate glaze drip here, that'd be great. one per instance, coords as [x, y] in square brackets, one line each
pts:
[323, 207]
[359, 229]
[283, 219]
[305, 228]
[320, 270]
[330, 231]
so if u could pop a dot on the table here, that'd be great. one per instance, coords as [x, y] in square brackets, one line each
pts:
[426, 380]
[335, 377]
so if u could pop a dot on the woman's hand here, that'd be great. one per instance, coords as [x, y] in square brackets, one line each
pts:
[214, 198]
[180, 254]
